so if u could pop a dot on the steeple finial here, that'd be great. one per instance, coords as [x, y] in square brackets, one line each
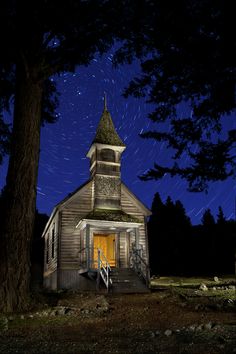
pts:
[105, 102]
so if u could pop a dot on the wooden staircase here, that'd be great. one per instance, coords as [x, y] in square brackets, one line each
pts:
[115, 280]
[126, 280]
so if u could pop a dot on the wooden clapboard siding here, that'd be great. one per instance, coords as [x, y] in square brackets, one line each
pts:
[51, 265]
[143, 240]
[131, 205]
[75, 209]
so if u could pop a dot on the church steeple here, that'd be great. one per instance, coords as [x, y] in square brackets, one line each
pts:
[105, 159]
[106, 132]
[105, 102]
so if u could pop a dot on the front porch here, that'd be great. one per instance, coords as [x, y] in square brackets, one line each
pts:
[107, 249]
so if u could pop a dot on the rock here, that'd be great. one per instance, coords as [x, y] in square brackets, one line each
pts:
[43, 314]
[230, 302]
[10, 318]
[157, 333]
[232, 287]
[216, 279]
[208, 325]
[22, 317]
[168, 332]
[3, 324]
[203, 287]
[192, 328]
[199, 307]
[199, 328]
[214, 288]
[152, 334]
[61, 310]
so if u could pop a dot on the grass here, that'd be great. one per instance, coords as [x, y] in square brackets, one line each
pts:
[191, 282]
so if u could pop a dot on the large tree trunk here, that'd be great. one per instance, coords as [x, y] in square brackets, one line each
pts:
[20, 193]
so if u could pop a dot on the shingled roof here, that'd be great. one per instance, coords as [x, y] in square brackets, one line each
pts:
[106, 132]
[111, 215]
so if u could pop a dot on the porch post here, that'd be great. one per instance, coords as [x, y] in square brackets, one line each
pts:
[136, 237]
[88, 245]
[118, 250]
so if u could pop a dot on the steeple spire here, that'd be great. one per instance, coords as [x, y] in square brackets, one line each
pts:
[106, 132]
[105, 101]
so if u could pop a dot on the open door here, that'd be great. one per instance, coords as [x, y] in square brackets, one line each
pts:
[107, 244]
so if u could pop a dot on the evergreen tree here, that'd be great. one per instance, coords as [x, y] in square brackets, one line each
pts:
[170, 42]
[208, 219]
[225, 243]
[37, 250]
[181, 218]
[38, 39]
[157, 205]
[220, 217]
[169, 237]
[209, 243]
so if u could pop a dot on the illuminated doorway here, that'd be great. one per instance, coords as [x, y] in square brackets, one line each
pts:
[107, 244]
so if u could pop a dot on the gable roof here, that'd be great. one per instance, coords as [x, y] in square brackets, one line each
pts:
[67, 198]
[136, 200]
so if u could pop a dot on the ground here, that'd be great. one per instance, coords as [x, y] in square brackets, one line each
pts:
[170, 319]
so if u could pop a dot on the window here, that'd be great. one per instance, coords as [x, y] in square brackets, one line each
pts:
[108, 155]
[53, 241]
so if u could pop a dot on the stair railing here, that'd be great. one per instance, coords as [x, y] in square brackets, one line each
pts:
[104, 270]
[139, 264]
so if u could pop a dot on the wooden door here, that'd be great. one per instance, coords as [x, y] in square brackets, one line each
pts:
[107, 244]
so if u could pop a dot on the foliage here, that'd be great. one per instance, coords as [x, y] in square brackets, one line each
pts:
[187, 51]
[177, 248]
[37, 250]
[168, 232]
[221, 220]
[38, 40]
[208, 219]
[4, 138]
[51, 37]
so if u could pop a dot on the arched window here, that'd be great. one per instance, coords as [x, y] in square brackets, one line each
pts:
[108, 155]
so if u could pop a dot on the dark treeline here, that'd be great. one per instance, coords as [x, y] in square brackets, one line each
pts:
[178, 248]
[37, 251]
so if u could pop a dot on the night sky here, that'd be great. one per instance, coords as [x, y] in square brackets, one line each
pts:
[63, 163]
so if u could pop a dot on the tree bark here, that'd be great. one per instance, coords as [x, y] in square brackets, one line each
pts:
[20, 192]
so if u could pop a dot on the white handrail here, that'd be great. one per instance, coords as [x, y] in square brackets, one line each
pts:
[104, 270]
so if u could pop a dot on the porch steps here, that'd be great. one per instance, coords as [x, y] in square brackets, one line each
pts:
[127, 281]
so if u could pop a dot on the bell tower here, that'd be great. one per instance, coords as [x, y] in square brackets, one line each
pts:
[105, 162]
